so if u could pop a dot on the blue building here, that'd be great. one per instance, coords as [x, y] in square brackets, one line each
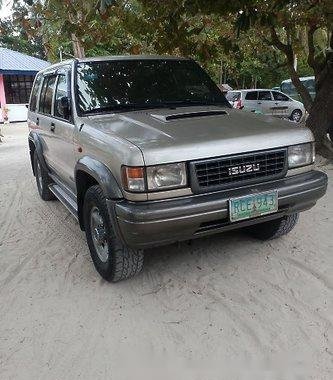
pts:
[17, 73]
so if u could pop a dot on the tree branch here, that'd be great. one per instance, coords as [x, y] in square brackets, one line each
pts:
[278, 43]
[288, 51]
[311, 55]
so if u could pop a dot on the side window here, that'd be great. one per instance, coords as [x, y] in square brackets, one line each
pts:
[251, 95]
[264, 95]
[279, 96]
[35, 92]
[42, 95]
[46, 96]
[61, 98]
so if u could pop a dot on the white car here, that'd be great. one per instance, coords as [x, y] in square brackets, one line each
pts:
[267, 102]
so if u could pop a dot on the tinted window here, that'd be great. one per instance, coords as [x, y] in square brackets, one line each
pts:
[251, 95]
[233, 96]
[34, 93]
[264, 95]
[42, 95]
[112, 85]
[279, 96]
[45, 103]
[61, 92]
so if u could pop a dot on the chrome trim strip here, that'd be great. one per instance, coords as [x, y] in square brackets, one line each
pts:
[170, 193]
[300, 170]
[158, 195]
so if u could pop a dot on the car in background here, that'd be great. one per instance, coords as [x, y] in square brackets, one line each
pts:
[289, 89]
[267, 102]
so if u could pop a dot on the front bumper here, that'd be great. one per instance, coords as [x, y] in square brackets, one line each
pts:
[153, 223]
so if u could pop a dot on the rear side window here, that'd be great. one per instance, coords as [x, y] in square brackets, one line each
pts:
[45, 102]
[35, 92]
[61, 92]
[280, 96]
[264, 95]
[251, 95]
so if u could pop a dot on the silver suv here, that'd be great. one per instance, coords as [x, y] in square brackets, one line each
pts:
[267, 102]
[146, 151]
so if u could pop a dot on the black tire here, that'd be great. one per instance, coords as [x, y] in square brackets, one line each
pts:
[43, 180]
[274, 228]
[112, 260]
[296, 116]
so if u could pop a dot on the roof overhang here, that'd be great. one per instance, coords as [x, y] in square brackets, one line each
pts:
[17, 72]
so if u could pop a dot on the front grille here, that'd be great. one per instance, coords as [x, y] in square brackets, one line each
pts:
[226, 172]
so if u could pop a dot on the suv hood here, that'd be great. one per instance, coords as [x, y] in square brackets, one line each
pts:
[183, 134]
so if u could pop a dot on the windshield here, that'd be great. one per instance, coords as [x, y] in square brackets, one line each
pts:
[233, 96]
[132, 84]
[287, 87]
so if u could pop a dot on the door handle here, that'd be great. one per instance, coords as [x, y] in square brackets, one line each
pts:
[52, 127]
[276, 103]
[259, 102]
[37, 121]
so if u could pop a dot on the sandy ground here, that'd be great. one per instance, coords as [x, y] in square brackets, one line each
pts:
[224, 307]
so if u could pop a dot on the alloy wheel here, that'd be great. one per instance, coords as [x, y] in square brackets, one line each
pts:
[98, 234]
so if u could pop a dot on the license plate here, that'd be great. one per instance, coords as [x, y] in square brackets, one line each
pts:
[251, 206]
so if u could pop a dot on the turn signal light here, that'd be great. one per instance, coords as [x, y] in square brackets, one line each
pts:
[133, 178]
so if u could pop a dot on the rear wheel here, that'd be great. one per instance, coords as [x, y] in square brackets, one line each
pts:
[274, 228]
[112, 260]
[43, 180]
[296, 116]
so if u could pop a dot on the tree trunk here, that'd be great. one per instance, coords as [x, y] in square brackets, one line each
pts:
[321, 114]
[301, 89]
[77, 47]
[287, 49]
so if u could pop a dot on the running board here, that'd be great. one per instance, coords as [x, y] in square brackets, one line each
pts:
[64, 198]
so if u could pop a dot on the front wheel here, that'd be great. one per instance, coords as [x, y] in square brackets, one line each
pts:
[296, 116]
[112, 260]
[274, 228]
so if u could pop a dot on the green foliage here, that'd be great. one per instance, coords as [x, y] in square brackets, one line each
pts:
[234, 35]
[16, 34]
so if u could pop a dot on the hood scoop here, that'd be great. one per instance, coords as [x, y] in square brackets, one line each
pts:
[188, 115]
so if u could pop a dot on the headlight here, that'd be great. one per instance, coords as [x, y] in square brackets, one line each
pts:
[153, 178]
[168, 176]
[301, 155]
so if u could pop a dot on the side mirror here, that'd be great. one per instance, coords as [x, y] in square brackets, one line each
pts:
[63, 107]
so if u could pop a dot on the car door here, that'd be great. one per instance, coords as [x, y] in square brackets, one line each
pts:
[265, 102]
[63, 129]
[250, 101]
[44, 120]
[33, 103]
[282, 104]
